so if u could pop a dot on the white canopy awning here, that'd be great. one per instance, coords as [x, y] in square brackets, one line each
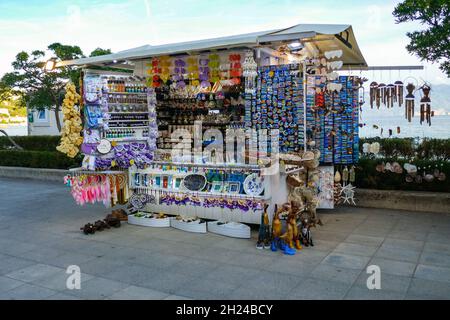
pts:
[322, 37]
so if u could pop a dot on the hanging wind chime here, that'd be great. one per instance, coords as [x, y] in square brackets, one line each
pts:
[398, 98]
[381, 94]
[409, 102]
[374, 94]
[389, 95]
[250, 72]
[425, 105]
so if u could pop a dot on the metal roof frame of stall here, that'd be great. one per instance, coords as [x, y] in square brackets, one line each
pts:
[316, 37]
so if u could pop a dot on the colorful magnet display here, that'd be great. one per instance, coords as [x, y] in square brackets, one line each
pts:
[332, 118]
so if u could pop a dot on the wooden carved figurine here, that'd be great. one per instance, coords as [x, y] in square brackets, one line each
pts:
[306, 233]
[264, 231]
[425, 105]
[409, 102]
[294, 213]
[288, 236]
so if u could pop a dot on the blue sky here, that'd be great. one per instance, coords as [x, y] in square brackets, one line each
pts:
[119, 25]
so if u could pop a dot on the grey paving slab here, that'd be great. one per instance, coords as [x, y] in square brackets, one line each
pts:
[441, 259]
[407, 235]
[364, 240]
[62, 296]
[398, 253]
[285, 264]
[335, 274]
[58, 281]
[138, 293]
[355, 249]
[101, 266]
[404, 244]
[438, 237]
[432, 273]
[97, 288]
[35, 272]
[346, 261]
[438, 247]
[319, 289]
[362, 293]
[429, 289]
[394, 267]
[207, 289]
[27, 292]
[390, 283]
[166, 281]
[231, 274]
[7, 284]
[193, 267]
[176, 297]
[9, 264]
[43, 254]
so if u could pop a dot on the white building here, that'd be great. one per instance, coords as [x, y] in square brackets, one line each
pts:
[43, 123]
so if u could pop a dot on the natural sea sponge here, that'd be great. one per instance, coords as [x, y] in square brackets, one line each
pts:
[71, 138]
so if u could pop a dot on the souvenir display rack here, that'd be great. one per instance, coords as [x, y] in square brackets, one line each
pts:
[249, 82]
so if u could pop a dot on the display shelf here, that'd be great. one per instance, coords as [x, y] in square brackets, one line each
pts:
[128, 112]
[139, 127]
[149, 222]
[128, 93]
[230, 229]
[195, 226]
[128, 139]
[126, 104]
[109, 120]
[203, 193]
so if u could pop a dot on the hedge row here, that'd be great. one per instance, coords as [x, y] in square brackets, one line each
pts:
[37, 159]
[427, 149]
[32, 143]
[368, 177]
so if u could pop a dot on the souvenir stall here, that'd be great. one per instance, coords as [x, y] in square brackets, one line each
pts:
[234, 130]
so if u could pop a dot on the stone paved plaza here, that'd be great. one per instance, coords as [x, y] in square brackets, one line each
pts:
[40, 237]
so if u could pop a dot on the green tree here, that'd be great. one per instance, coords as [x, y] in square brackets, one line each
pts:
[37, 89]
[100, 52]
[433, 42]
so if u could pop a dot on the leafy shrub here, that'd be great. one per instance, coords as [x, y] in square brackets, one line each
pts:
[37, 159]
[36, 143]
[368, 177]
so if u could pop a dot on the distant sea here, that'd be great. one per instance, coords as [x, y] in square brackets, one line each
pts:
[440, 126]
[15, 130]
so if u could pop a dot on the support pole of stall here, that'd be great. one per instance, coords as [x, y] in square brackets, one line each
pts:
[305, 87]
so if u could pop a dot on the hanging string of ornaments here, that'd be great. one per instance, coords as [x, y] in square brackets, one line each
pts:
[397, 94]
